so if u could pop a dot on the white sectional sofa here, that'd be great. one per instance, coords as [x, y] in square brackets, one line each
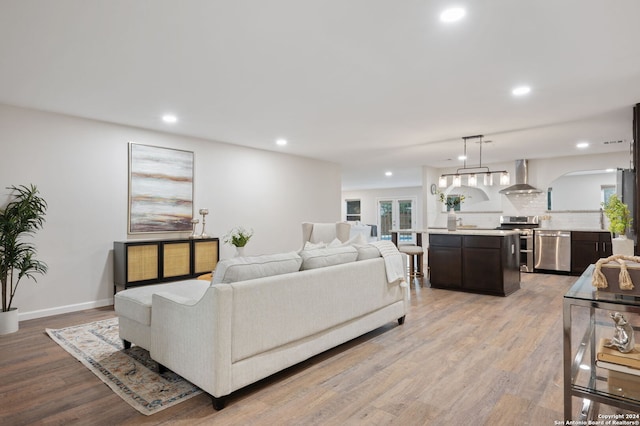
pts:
[263, 314]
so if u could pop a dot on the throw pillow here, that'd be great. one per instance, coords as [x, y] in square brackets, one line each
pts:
[313, 246]
[355, 240]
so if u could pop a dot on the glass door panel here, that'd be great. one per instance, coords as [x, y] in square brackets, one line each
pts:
[385, 219]
[397, 213]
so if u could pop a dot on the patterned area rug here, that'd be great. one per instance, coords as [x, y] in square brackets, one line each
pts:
[130, 373]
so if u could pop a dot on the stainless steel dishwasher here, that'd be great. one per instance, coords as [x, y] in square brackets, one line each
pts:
[552, 250]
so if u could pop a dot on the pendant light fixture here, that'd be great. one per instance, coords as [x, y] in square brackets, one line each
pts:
[472, 172]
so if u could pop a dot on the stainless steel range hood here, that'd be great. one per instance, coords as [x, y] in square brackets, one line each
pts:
[521, 186]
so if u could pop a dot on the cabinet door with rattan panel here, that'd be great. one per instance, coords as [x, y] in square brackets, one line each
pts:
[142, 263]
[206, 254]
[176, 259]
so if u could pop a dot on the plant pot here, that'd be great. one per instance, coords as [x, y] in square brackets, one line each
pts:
[622, 245]
[240, 251]
[9, 321]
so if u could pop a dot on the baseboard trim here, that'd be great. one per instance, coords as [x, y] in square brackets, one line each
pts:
[64, 309]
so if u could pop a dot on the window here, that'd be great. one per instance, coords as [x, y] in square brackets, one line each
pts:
[606, 192]
[353, 210]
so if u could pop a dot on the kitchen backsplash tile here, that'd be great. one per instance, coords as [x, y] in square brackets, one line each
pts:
[530, 205]
[591, 220]
[525, 204]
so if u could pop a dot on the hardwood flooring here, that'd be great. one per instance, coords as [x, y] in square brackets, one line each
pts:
[459, 359]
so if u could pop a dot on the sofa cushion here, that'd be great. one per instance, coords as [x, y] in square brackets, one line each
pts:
[135, 303]
[367, 251]
[251, 267]
[319, 258]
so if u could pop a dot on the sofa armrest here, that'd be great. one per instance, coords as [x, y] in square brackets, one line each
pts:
[176, 298]
[193, 338]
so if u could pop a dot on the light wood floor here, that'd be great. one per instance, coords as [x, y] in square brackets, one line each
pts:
[459, 359]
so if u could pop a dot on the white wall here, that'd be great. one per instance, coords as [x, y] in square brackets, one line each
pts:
[580, 192]
[81, 169]
[543, 172]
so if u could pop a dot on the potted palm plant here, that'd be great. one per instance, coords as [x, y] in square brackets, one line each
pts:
[21, 217]
[619, 222]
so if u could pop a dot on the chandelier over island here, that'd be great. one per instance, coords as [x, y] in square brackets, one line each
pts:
[472, 172]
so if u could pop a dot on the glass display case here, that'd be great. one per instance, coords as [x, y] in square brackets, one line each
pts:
[586, 322]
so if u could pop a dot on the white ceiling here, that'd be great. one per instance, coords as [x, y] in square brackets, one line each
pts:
[375, 85]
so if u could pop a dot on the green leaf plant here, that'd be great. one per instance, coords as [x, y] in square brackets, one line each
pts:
[238, 236]
[618, 214]
[22, 216]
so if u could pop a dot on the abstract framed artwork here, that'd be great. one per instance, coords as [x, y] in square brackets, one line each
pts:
[160, 189]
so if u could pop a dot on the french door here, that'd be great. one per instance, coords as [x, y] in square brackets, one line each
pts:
[397, 213]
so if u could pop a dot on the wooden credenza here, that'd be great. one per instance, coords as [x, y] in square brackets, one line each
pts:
[144, 262]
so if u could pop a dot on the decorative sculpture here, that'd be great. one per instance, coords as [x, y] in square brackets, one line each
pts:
[623, 338]
[203, 212]
[195, 222]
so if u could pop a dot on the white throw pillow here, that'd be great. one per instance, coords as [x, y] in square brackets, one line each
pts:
[335, 243]
[313, 246]
[356, 240]
[248, 268]
[312, 259]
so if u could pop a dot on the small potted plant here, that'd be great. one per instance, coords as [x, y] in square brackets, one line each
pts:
[238, 237]
[22, 216]
[451, 203]
[619, 222]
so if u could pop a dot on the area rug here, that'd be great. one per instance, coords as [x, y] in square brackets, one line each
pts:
[130, 373]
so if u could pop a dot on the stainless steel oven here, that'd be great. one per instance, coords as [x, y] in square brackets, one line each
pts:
[525, 225]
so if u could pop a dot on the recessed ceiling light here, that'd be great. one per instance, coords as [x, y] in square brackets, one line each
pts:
[582, 145]
[281, 142]
[169, 118]
[388, 173]
[453, 14]
[462, 157]
[521, 90]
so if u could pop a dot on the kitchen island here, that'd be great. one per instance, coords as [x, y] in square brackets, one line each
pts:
[478, 261]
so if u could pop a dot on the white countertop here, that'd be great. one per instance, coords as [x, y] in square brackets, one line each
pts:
[573, 229]
[486, 232]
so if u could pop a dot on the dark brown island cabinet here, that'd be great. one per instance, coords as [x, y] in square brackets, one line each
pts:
[485, 262]
[587, 247]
